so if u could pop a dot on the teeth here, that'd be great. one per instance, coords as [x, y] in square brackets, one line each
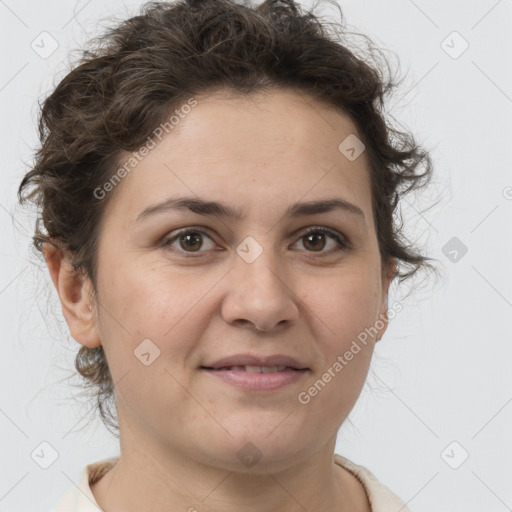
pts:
[271, 369]
[257, 369]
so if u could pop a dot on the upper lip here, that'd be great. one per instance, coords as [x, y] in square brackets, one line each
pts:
[252, 360]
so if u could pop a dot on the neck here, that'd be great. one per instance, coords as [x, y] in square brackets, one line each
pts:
[145, 479]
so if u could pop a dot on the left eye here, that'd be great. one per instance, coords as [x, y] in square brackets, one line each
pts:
[190, 240]
[319, 234]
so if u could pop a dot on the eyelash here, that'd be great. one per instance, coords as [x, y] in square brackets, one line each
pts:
[342, 241]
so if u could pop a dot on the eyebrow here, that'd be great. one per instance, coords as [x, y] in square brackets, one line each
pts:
[219, 209]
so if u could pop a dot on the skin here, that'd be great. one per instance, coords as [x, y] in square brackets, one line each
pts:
[181, 428]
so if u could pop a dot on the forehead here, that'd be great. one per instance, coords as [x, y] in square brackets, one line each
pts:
[275, 147]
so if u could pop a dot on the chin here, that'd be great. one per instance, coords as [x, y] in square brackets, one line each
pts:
[257, 450]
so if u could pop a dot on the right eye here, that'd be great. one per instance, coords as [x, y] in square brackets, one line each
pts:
[187, 238]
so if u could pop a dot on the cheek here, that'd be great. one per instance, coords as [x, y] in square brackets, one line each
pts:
[145, 302]
[149, 327]
[345, 307]
[344, 312]
[139, 304]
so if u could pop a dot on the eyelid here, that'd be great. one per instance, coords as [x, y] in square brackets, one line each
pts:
[341, 240]
[339, 237]
[167, 239]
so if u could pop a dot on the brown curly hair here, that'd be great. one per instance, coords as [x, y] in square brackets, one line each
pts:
[137, 72]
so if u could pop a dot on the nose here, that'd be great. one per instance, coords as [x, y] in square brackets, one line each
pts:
[259, 295]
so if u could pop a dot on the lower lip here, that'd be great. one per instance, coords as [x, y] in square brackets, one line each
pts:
[258, 381]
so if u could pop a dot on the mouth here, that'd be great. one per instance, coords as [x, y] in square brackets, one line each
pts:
[256, 377]
[255, 369]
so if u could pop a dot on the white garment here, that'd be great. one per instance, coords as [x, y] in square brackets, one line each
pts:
[80, 498]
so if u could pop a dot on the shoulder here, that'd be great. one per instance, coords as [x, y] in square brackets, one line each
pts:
[381, 498]
[79, 497]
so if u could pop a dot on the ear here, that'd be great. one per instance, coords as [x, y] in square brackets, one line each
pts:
[388, 274]
[75, 294]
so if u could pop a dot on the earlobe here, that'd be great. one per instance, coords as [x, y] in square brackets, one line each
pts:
[75, 295]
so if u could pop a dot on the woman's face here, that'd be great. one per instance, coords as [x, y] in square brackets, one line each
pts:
[257, 286]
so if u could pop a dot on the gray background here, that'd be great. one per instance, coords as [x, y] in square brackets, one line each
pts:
[440, 385]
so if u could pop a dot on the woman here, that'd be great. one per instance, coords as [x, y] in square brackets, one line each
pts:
[217, 186]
